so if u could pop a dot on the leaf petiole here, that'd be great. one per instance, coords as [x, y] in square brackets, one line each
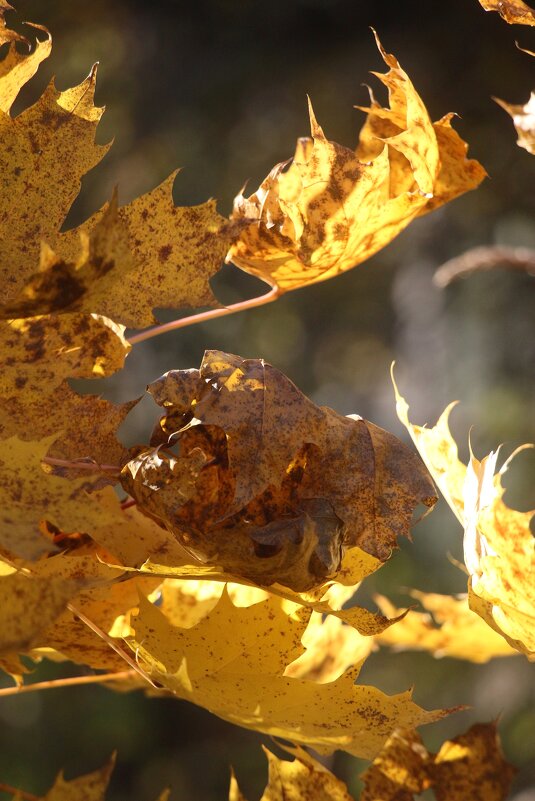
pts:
[202, 317]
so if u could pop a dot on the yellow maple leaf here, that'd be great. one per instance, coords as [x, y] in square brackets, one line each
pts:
[515, 12]
[248, 490]
[240, 678]
[448, 628]
[499, 548]
[330, 208]
[524, 121]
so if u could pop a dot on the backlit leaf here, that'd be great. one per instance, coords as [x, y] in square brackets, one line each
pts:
[239, 678]
[330, 208]
[448, 628]
[499, 548]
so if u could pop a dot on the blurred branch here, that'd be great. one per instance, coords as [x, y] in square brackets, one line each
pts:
[485, 258]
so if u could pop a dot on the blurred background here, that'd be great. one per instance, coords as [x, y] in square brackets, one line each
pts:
[218, 88]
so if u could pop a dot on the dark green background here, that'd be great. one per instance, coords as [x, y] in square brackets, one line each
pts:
[219, 89]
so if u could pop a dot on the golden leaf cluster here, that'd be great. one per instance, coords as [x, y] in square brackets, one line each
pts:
[250, 515]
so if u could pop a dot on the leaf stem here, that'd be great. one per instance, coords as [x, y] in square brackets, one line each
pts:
[15, 792]
[202, 317]
[53, 684]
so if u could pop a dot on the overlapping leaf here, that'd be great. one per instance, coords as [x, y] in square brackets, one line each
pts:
[330, 208]
[515, 12]
[240, 678]
[448, 628]
[499, 548]
[248, 489]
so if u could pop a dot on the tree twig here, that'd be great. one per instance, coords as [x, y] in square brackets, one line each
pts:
[486, 257]
[202, 317]
[53, 684]
[14, 791]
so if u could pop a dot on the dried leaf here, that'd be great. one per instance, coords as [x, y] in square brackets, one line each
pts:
[447, 628]
[524, 120]
[239, 678]
[248, 490]
[515, 12]
[329, 208]
[499, 549]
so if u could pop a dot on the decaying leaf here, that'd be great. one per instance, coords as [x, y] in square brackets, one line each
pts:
[524, 120]
[240, 678]
[248, 490]
[330, 208]
[471, 766]
[515, 12]
[447, 628]
[499, 548]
